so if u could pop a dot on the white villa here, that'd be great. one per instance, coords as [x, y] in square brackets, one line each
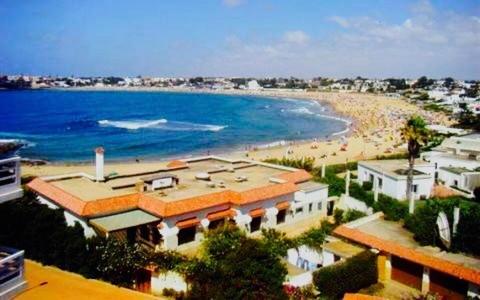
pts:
[169, 205]
[390, 177]
[457, 161]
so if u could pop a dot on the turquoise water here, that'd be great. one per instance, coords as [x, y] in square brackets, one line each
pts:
[67, 125]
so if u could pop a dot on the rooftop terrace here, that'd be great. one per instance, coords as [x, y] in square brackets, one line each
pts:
[396, 168]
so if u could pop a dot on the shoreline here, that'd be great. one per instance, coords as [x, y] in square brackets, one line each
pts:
[372, 128]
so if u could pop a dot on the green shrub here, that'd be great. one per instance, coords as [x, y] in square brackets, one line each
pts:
[423, 223]
[338, 216]
[351, 275]
[305, 163]
[352, 214]
[393, 209]
[367, 185]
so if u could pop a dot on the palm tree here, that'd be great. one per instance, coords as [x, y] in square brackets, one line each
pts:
[416, 134]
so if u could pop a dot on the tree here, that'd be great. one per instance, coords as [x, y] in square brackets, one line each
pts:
[416, 134]
[233, 266]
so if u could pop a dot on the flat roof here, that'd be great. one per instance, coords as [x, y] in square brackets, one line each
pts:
[310, 186]
[231, 182]
[395, 168]
[342, 248]
[391, 237]
[123, 220]
[456, 170]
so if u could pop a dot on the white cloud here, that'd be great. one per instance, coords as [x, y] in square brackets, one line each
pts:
[296, 37]
[340, 21]
[232, 3]
[428, 42]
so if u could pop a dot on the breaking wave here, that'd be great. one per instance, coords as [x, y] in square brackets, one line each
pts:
[161, 124]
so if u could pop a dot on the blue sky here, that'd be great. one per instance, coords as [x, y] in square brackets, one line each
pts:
[377, 38]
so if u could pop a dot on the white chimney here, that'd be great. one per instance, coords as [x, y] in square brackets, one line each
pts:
[99, 163]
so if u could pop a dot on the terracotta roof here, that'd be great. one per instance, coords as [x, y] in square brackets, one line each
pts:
[161, 208]
[58, 195]
[410, 254]
[282, 205]
[296, 176]
[221, 214]
[360, 297]
[188, 222]
[257, 212]
[266, 192]
[174, 164]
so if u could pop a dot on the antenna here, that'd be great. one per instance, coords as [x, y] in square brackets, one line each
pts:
[444, 229]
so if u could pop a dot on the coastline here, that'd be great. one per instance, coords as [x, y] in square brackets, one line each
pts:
[372, 129]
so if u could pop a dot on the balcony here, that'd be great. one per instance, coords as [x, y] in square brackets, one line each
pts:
[12, 271]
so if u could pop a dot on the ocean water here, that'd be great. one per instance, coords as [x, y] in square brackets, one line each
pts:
[64, 126]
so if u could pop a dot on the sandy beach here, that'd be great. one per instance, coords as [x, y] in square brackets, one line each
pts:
[374, 130]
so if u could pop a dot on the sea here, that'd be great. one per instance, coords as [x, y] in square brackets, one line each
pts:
[66, 125]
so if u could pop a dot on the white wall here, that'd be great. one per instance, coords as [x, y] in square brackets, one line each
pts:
[397, 187]
[167, 280]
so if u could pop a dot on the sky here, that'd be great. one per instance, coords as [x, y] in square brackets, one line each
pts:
[257, 38]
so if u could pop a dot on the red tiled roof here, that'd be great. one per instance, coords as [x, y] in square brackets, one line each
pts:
[188, 222]
[410, 254]
[296, 176]
[58, 195]
[221, 214]
[163, 208]
[282, 205]
[257, 212]
[174, 164]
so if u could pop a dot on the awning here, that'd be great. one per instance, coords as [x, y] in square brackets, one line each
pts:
[257, 212]
[228, 213]
[188, 223]
[123, 220]
[282, 205]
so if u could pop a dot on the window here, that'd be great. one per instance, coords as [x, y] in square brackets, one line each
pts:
[281, 216]
[380, 183]
[455, 182]
[319, 206]
[186, 235]
[415, 188]
[298, 210]
[371, 178]
[216, 223]
[310, 207]
[255, 224]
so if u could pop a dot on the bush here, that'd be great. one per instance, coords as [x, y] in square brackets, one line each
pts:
[338, 216]
[305, 163]
[476, 193]
[351, 275]
[352, 215]
[393, 209]
[423, 224]
[367, 185]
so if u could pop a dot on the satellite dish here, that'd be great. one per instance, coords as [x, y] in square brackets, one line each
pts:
[444, 229]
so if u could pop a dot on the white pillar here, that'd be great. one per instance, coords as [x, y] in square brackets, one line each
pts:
[388, 267]
[99, 173]
[426, 280]
[271, 214]
[347, 183]
[205, 222]
[243, 221]
[375, 189]
[323, 170]
[170, 236]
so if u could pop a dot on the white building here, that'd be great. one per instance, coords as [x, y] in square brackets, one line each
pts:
[390, 177]
[253, 85]
[457, 161]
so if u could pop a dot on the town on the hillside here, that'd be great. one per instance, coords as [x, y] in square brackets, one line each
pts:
[446, 94]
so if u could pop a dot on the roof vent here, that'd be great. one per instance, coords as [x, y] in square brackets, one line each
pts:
[241, 178]
[202, 176]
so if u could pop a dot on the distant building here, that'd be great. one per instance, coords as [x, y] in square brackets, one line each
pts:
[390, 177]
[253, 85]
[170, 205]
